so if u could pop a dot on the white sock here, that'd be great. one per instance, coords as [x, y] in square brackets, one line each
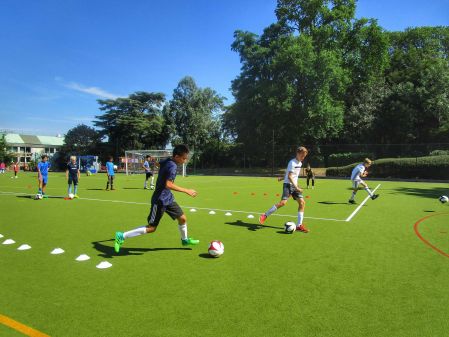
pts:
[271, 210]
[145, 184]
[300, 217]
[183, 231]
[152, 180]
[135, 232]
[369, 191]
[70, 189]
[353, 196]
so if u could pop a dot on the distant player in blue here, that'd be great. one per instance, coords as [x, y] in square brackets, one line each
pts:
[111, 173]
[72, 174]
[148, 166]
[164, 201]
[42, 174]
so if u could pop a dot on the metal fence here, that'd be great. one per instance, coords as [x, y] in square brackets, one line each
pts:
[271, 160]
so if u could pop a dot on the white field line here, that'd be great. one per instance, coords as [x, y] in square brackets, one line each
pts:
[202, 208]
[360, 206]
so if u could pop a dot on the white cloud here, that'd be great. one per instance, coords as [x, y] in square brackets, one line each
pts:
[91, 90]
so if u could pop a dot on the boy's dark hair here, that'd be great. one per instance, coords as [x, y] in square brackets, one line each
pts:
[179, 150]
[147, 156]
[110, 157]
[44, 156]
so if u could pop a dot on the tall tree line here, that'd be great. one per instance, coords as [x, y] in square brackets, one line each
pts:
[319, 75]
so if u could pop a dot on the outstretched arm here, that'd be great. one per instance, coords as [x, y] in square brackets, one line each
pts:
[171, 185]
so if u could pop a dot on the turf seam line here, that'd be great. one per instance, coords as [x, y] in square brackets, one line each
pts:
[360, 206]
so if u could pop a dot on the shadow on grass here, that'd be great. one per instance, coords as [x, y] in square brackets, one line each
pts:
[32, 197]
[250, 226]
[284, 232]
[25, 196]
[432, 193]
[206, 256]
[108, 252]
[333, 203]
[95, 189]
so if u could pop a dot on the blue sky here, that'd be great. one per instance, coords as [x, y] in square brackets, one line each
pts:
[58, 57]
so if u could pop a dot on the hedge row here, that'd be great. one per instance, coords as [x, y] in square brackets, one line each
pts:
[432, 167]
[340, 159]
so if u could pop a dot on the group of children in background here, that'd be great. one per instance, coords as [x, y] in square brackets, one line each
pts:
[73, 174]
[15, 168]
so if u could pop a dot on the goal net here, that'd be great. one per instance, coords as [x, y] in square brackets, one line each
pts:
[134, 159]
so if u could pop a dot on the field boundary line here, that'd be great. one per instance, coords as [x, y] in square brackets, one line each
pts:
[26, 330]
[360, 206]
[185, 206]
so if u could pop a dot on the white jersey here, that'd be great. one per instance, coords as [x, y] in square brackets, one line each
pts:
[294, 166]
[357, 172]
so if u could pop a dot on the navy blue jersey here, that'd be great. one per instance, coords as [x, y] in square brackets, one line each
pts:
[167, 171]
[73, 169]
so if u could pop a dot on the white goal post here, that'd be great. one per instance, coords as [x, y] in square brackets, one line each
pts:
[134, 160]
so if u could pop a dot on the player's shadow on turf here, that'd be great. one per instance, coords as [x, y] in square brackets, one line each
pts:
[95, 189]
[332, 203]
[25, 196]
[108, 252]
[32, 197]
[250, 226]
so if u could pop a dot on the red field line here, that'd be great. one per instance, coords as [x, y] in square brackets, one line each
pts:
[423, 239]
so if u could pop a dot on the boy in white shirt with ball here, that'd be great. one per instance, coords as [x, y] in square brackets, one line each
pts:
[359, 172]
[291, 188]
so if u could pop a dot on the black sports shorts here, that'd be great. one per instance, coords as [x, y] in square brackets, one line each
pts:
[290, 190]
[158, 209]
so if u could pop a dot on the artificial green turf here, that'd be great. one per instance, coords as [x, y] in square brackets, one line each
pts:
[371, 276]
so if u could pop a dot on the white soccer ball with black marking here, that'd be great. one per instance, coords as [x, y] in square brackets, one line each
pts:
[71, 195]
[289, 227]
[38, 196]
[443, 199]
[216, 248]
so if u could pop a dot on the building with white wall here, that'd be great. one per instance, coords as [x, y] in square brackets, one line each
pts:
[25, 148]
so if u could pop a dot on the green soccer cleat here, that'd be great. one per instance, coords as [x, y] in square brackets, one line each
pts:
[76, 196]
[190, 242]
[119, 239]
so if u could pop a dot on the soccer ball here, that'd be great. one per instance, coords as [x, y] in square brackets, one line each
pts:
[289, 227]
[38, 196]
[443, 199]
[115, 167]
[71, 195]
[216, 248]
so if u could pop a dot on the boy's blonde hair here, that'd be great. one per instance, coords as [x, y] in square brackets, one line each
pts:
[302, 149]
[73, 158]
[368, 161]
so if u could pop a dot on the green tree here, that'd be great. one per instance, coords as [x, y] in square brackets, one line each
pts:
[194, 114]
[135, 122]
[5, 156]
[417, 108]
[293, 78]
[81, 140]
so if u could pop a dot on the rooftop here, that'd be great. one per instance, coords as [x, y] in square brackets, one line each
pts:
[16, 139]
